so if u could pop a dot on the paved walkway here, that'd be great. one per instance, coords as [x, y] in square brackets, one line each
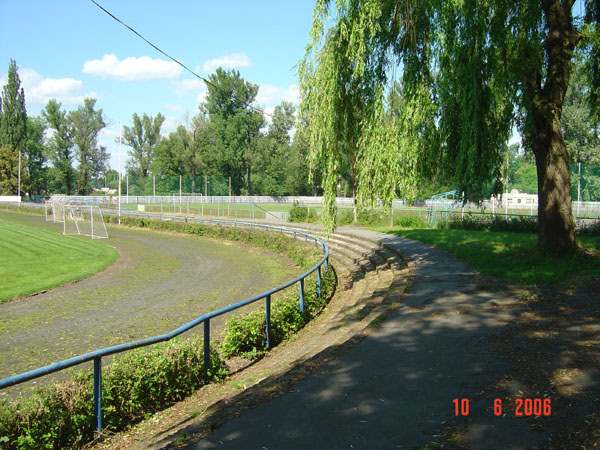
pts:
[395, 388]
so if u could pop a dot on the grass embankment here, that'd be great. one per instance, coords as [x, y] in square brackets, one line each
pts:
[33, 259]
[511, 255]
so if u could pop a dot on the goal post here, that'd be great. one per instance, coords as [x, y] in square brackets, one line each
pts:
[54, 211]
[84, 220]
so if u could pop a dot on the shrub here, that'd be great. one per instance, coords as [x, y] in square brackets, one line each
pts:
[245, 335]
[135, 385]
[344, 216]
[524, 224]
[410, 222]
[302, 214]
[591, 229]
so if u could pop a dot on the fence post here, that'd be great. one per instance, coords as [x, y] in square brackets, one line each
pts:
[98, 393]
[302, 295]
[327, 263]
[206, 347]
[268, 322]
[319, 281]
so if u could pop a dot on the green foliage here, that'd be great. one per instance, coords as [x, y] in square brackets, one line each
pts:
[60, 148]
[86, 122]
[13, 114]
[590, 229]
[302, 214]
[142, 138]
[235, 127]
[470, 71]
[245, 335]
[524, 224]
[36, 156]
[9, 167]
[13, 133]
[135, 385]
[410, 222]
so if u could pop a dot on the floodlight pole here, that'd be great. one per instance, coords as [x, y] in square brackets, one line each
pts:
[578, 188]
[19, 176]
[120, 181]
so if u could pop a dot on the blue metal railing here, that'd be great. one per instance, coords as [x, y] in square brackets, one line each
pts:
[97, 355]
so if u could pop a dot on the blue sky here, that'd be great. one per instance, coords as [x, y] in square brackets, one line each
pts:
[69, 49]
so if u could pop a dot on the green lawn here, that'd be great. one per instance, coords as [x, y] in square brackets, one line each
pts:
[509, 255]
[35, 257]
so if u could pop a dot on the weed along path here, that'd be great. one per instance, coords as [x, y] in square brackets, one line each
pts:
[159, 281]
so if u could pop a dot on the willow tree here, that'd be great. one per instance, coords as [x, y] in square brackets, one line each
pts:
[470, 71]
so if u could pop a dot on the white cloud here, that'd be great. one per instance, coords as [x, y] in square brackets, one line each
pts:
[231, 61]
[40, 89]
[131, 68]
[190, 84]
[271, 95]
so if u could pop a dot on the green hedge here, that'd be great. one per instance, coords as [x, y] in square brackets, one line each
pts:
[303, 214]
[525, 224]
[245, 335]
[137, 384]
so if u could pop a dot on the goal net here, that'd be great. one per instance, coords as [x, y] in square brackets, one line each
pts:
[55, 211]
[85, 220]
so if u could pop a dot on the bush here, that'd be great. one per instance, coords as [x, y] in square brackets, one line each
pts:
[344, 216]
[523, 224]
[134, 386]
[590, 229]
[245, 335]
[302, 214]
[410, 222]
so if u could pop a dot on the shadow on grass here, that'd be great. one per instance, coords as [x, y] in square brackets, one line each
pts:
[510, 255]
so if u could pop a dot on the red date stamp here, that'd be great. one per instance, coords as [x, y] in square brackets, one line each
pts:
[520, 407]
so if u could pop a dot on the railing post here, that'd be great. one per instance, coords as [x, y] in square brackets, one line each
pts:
[319, 281]
[302, 295]
[206, 347]
[268, 322]
[98, 393]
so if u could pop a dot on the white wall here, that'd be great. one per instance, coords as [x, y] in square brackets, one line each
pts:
[10, 199]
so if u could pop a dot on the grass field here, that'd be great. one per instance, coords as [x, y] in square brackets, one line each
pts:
[510, 255]
[36, 258]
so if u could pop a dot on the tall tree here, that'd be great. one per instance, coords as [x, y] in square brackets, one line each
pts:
[272, 153]
[13, 123]
[143, 138]
[469, 69]
[86, 122]
[60, 148]
[235, 126]
[36, 156]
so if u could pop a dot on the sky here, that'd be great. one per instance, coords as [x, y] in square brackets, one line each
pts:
[70, 49]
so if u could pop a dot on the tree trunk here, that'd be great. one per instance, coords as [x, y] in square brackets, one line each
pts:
[555, 215]
[556, 226]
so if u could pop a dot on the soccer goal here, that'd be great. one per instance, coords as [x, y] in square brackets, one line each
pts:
[54, 211]
[84, 220]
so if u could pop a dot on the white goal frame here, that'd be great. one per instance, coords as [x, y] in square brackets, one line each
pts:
[75, 215]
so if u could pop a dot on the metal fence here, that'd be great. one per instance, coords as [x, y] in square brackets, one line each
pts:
[97, 355]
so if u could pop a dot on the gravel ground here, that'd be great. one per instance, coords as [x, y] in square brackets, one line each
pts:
[159, 281]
